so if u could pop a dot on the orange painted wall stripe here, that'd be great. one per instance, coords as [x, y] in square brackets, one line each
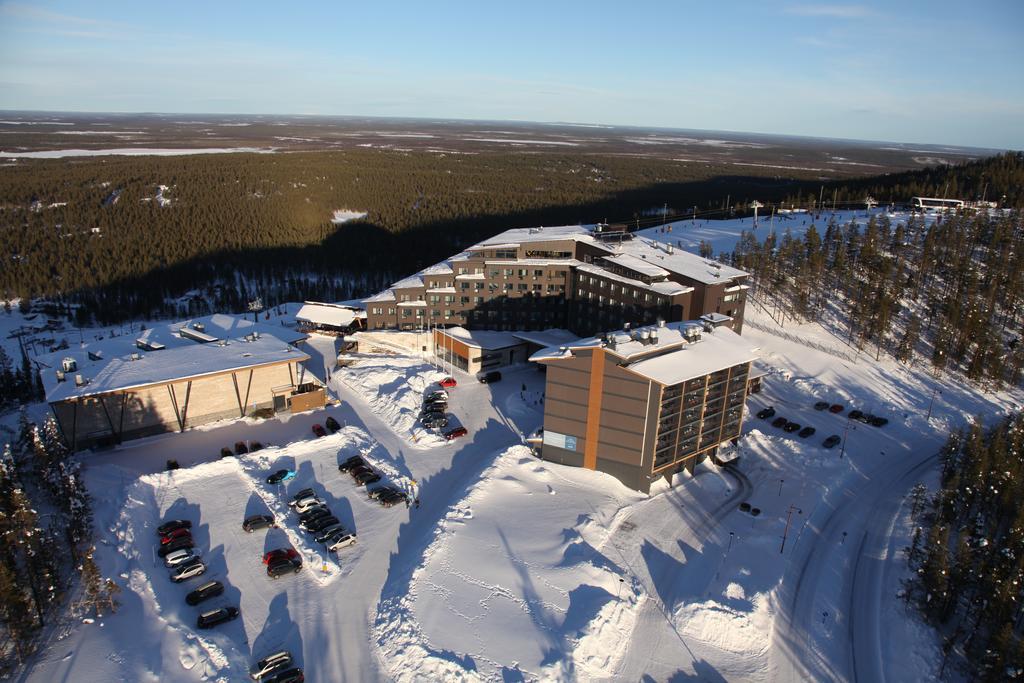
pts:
[594, 409]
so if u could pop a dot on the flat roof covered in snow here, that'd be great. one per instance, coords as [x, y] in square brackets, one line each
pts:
[716, 351]
[516, 236]
[706, 271]
[332, 315]
[482, 339]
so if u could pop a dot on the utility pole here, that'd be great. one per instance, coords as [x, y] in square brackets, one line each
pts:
[755, 206]
[664, 214]
[821, 195]
[932, 402]
[789, 516]
[845, 432]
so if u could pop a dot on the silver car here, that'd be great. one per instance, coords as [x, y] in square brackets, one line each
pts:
[306, 503]
[342, 542]
[180, 557]
[187, 571]
[270, 664]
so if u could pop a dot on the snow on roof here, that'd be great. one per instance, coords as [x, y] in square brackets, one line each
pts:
[386, 295]
[417, 302]
[516, 236]
[535, 262]
[678, 261]
[107, 364]
[441, 290]
[327, 314]
[441, 268]
[408, 283]
[668, 288]
[471, 276]
[716, 351]
[715, 318]
[553, 337]
[639, 265]
[482, 339]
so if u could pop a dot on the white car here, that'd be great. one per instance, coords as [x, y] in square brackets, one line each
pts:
[180, 557]
[305, 503]
[342, 542]
[187, 571]
[271, 663]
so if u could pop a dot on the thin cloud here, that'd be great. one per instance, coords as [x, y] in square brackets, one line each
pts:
[831, 11]
[21, 11]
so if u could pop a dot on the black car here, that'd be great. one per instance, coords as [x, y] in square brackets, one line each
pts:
[766, 413]
[217, 616]
[876, 421]
[320, 523]
[284, 565]
[806, 432]
[328, 534]
[287, 676]
[225, 452]
[304, 493]
[172, 525]
[366, 477]
[314, 512]
[438, 422]
[210, 589]
[176, 544]
[832, 441]
[352, 463]
[280, 475]
[241, 448]
[859, 416]
[791, 427]
[392, 498]
[780, 422]
[255, 446]
[489, 377]
[821, 405]
[256, 522]
[332, 424]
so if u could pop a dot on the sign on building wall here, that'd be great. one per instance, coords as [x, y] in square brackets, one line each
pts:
[560, 440]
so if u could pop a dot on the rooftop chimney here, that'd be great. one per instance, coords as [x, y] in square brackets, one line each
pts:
[69, 364]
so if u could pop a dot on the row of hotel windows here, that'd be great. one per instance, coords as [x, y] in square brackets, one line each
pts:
[614, 288]
[538, 273]
[590, 296]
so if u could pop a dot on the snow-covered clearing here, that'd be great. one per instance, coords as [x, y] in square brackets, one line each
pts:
[344, 216]
[131, 151]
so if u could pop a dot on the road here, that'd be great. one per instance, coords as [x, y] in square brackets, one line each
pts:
[828, 625]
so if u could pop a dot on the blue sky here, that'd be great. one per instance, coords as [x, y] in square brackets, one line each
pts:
[929, 72]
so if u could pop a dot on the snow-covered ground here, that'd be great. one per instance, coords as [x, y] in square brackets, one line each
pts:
[131, 151]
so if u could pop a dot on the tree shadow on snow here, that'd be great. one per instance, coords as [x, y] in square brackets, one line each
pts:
[279, 632]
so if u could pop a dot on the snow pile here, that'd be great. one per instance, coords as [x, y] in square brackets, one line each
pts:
[344, 216]
[737, 630]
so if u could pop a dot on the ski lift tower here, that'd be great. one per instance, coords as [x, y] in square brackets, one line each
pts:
[256, 305]
[870, 202]
[755, 206]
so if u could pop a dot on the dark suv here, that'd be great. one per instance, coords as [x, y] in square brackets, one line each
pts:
[217, 616]
[208, 590]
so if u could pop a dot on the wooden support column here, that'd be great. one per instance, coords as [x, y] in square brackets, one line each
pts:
[106, 413]
[238, 395]
[74, 427]
[120, 425]
[248, 386]
[174, 402]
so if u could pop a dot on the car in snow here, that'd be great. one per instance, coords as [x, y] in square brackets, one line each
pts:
[393, 498]
[831, 442]
[489, 377]
[314, 512]
[171, 525]
[436, 395]
[435, 422]
[332, 424]
[448, 382]
[431, 413]
[306, 503]
[241, 448]
[304, 493]
[455, 433]
[176, 544]
[351, 463]
[780, 422]
[319, 431]
[315, 525]
[280, 553]
[859, 416]
[376, 492]
[334, 530]
[187, 570]
[226, 452]
[255, 446]
[180, 557]
[293, 675]
[876, 421]
[217, 616]
[256, 522]
[177, 533]
[272, 663]
[766, 413]
[343, 541]
[806, 432]
[281, 476]
[210, 589]
[821, 405]
[836, 408]
[284, 565]
[791, 427]
[365, 477]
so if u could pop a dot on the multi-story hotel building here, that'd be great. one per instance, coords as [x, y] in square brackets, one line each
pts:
[582, 279]
[644, 402]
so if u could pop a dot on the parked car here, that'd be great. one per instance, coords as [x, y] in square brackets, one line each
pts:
[821, 405]
[434, 407]
[314, 512]
[393, 498]
[435, 422]
[282, 566]
[351, 463]
[766, 413]
[857, 415]
[273, 663]
[806, 432]
[376, 492]
[281, 476]
[332, 424]
[489, 377]
[780, 422]
[319, 431]
[448, 382]
[366, 477]
[836, 408]
[180, 557]
[210, 589]
[217, 616]
[791, 427]
[256, 522]
[325, 535]
[306, 503]
[225, 452]
[343, 541]
[304, 493]
[191, 568]
[293, 675]
[432, 413]
[255, 446]
[170, 525]
[241, 448]
[437, 394]
[280, 553]
[878, 421]
[177, 544]
[182, 532]
[317, 525]
[455, 433]
[832, 441]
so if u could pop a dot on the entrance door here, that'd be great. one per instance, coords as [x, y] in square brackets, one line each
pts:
[280, 403]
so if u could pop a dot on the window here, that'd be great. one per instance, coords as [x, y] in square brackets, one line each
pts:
[464, 300]
[523, 287]
[509, 286]
[538, 273]
[465, 285]
[391, 311]
[538, 288]
[449, 298]
[434, 298]
[495, 273]
[478, 299]
[523, 272]
[509, 272]
[462, 271]
[505, 253]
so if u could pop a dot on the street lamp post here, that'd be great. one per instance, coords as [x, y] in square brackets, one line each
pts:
[846, 431]
[789, 516]
[932, 402]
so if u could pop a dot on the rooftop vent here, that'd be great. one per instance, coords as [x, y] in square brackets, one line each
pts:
[79, 381]
[661, 322]
[136, 356]
[95, 355]
[69, 364]
[654, 336]
[645, 337]
[199, 326]
[60, 375]
[668, 248]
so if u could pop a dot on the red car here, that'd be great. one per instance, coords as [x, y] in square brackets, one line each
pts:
[281, 553]
[448, 382]
[177, 533]
[319, 430]
[835, 408]
[455, 433]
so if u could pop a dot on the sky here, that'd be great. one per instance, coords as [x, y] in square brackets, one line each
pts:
[936, 71]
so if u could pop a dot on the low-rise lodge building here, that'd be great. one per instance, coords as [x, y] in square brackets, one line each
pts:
[174, 376]
[644, 402]
[334, 319]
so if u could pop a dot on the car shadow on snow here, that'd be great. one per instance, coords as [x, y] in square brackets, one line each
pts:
[277, 538]
[279, 632]
[255, 506]
[348, 416]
